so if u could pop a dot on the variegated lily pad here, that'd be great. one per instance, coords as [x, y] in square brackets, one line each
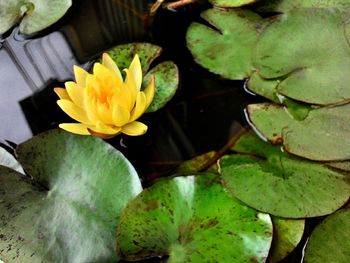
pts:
[192, 219]
[87, 183]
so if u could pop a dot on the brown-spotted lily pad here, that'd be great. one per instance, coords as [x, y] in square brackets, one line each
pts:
[309, 49]
[329, 242]
[276, 183]
[192, 219]
[227, 49]
[321, 135]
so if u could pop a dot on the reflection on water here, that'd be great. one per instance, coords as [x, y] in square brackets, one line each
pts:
[203, 116]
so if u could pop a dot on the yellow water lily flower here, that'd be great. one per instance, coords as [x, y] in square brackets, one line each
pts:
[103, 103]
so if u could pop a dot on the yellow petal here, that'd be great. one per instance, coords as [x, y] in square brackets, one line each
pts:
[62, 93]
[106, 129]
[134, 128]
[121, 115]
[104, 113]
[76, 128]
[140, 106]
[135, 69]
[80, 76]
[73, 111]
[124, 98]
[107, 77]
[149, 92]
[75, 92]
[130, 84]
[108, 62]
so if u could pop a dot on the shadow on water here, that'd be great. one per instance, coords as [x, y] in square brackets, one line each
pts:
[206, 112]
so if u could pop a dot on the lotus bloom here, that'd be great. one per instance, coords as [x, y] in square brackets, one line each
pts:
[103, 103]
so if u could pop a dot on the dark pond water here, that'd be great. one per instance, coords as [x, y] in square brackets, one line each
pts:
[206, 112]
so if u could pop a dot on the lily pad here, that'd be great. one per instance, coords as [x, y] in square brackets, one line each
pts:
[88, 183]
[166, 73]
[227, 49]
[231, 3]
[287, 5]
[327, 124]
[167, 82]
[264, 87]
[309, 48]
[269, 120]
[8, 160]
[21, 239]
[329, 242]
[276, 183]
[324, 135]
[344, 166]
[287, 234]
[192, 219]
[35, 15]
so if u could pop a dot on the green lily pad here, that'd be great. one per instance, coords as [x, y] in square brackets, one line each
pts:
[269, 120]
[20, 206]
[166, 73]
[37, 14]
[327, 124]
[192, 219]
[287, 234]
[314, 59]
[330, 126]
[264, 87]
[329, 242]
[344, 166]
[8, 160]
[124, 54]
[231, 3]
[227, 50]
[288, 5]
[89, 182]
[278, 184]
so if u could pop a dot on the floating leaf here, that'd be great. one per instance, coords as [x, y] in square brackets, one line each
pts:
[20, 206]
[323, 135]
[269, 120]
[329, 242]
[276, 183]
[327, 124]
[345, 166]
[89, 183]
[264, 87]
[8, 160]
[314, 58]
[124, 54]
[166, 73]
[227, 50]
[231, 3]
[167, 82]
[192, 219]
[287, 234]
[287, 5]
[37, 14]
